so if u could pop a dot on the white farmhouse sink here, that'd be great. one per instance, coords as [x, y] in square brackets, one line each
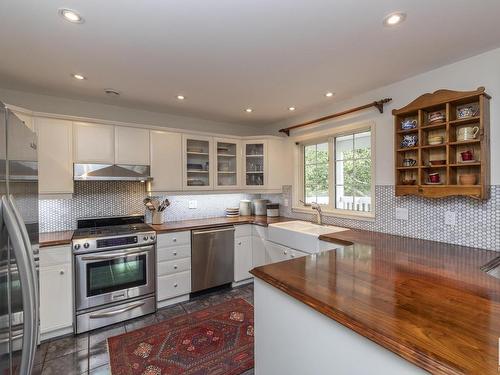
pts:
[302, 235]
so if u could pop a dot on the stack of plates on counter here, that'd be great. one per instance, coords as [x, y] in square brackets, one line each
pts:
[232, 212]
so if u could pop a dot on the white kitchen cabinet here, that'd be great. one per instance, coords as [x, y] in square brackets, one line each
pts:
[267, 164]
[55, 156]
[197, 163]
[21, 128]
[259, 239]
[243, 257]
[276, 253]
[166, 161]
[94, 143]
[131, 146]
[254, 164]
[173, 268]
[279, 164]
[56, 291]
[227, 163]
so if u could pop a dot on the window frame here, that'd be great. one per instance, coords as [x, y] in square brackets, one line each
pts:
[329, 136]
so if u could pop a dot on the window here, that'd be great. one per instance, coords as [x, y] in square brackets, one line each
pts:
[353, 172]
[338, 172]
[316, 168]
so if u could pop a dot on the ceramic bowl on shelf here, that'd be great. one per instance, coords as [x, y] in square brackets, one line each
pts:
[408, 124]
[434, 178]
[437, 162]
[435, 117]
[435, 140]
[467, 179]
[408, 182]
[468, 110]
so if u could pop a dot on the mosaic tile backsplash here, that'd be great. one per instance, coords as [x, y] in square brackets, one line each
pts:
[113, 198]
[478, 222]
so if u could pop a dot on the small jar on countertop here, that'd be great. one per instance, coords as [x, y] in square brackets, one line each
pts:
[273, 209]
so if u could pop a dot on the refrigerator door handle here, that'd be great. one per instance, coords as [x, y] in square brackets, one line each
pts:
[32, 252]
[27, 286]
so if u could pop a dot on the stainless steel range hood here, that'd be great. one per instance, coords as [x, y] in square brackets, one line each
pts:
[111, 172]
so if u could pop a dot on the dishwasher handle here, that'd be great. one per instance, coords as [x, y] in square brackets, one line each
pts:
[213, 230]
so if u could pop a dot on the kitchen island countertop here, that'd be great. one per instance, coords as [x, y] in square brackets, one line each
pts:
[426, 301]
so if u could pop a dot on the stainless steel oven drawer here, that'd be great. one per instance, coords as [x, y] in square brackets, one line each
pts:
[117, 313]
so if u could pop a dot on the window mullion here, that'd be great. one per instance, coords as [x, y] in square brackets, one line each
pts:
[332, 173]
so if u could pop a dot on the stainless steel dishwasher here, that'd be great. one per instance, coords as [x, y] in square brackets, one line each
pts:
[212, 257]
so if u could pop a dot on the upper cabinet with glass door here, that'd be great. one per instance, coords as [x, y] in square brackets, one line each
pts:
[254, 164]
[198, 162]
[228, 160]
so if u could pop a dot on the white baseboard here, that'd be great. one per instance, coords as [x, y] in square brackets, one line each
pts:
[242, 282]
[56, 333]
[172, 301]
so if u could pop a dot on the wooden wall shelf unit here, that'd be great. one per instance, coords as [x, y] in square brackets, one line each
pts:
[412, 176]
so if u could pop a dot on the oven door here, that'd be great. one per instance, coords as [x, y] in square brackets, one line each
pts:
[113, 276]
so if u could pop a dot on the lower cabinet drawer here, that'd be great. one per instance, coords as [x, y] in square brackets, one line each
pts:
[174, 266]
[171, 253]
[173, 285]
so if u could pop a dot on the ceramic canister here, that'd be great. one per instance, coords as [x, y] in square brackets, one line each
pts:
[260, 207]
[245, 207]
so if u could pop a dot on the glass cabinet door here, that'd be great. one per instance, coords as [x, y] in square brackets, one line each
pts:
[197, 163]
[227, 153]
[254, 164]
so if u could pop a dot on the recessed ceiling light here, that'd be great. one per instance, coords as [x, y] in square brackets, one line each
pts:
[394, 18]
[291, 108]
[71, 16]
[249, 110]
[329, 94]
[78, 76]
[181, 97]
[112, 92]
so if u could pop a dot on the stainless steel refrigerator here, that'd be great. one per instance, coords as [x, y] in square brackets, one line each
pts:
[19, 298]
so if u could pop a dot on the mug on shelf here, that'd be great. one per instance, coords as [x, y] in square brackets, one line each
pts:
[467, 133]
[467, 155]
[434, 178]
[409, 162]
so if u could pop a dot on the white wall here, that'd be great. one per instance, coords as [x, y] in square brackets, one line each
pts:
[63, 106]
[480, 70]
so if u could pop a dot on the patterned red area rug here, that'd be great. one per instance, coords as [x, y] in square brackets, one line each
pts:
[214, 341]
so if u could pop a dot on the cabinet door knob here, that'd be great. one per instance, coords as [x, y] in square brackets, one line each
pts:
[61, 272]
[175, 267]
[175, 252]
[239, 243]
[175, 239]
[175, 285]
[285, 252]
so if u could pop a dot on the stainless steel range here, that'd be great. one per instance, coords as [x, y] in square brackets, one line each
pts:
[114, 261]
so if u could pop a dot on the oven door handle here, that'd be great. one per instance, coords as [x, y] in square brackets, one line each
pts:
[113, 255]
[107, 314]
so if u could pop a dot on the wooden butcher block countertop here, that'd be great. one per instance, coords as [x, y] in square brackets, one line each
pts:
[426, 301]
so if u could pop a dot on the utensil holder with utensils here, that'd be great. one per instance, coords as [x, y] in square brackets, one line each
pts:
[156, 205]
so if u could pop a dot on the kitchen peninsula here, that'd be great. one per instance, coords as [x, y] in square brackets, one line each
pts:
[428, 303]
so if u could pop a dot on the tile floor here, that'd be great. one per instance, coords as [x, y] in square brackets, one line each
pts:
[87, 353]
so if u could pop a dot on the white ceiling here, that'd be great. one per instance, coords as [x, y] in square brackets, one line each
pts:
[227, 55]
